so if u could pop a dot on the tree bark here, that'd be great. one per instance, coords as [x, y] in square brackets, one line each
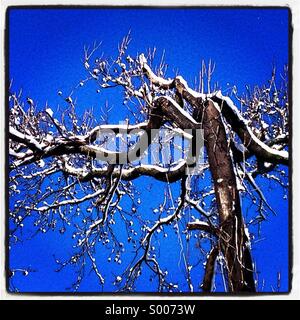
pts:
[233, 242]
[210, 270]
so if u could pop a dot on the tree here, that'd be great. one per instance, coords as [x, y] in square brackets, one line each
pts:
[64, 175]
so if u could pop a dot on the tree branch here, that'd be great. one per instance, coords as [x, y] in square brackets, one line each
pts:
[210, 270]
[260, 149]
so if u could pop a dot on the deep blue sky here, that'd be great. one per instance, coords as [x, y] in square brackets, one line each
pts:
[45, 52]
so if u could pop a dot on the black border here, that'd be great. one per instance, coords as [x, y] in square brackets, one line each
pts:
[149, 294]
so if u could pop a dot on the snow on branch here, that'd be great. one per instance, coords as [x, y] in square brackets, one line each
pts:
[249, 139]
[171, 174]
[74, 201]
[227, 108]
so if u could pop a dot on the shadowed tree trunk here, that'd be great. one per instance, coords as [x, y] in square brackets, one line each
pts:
[233, 241]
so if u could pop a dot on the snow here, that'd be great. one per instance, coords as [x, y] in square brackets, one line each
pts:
[267, 164]
[188, 89]
[96, 71]
[180, 110]
[49, 111]
[149, 167]
[73, 201]
[49, 137]
[154, 78]
[69, 100]
[142, 59]
[30, 101]
[281, 153]
[25, 137]
[239, 184]
[277, 153]
[41, 163]
[181, 132]
[122, 126]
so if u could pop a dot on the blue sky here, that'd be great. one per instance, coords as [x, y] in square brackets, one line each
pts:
[45, 52]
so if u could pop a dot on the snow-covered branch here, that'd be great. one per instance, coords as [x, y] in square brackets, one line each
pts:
[171, 174]
[260, 149]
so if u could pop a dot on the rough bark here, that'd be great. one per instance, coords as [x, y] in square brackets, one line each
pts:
[233, 242]
[210, 270]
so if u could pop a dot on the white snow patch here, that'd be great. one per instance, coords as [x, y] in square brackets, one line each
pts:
[49, 111]
[282, 153]
[182, 111]
[239, 185]
[264, 125]
[41, 163]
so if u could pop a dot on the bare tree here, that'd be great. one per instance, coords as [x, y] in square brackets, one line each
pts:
[63, 174]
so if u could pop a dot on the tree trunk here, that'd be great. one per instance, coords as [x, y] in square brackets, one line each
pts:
[233, 242]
